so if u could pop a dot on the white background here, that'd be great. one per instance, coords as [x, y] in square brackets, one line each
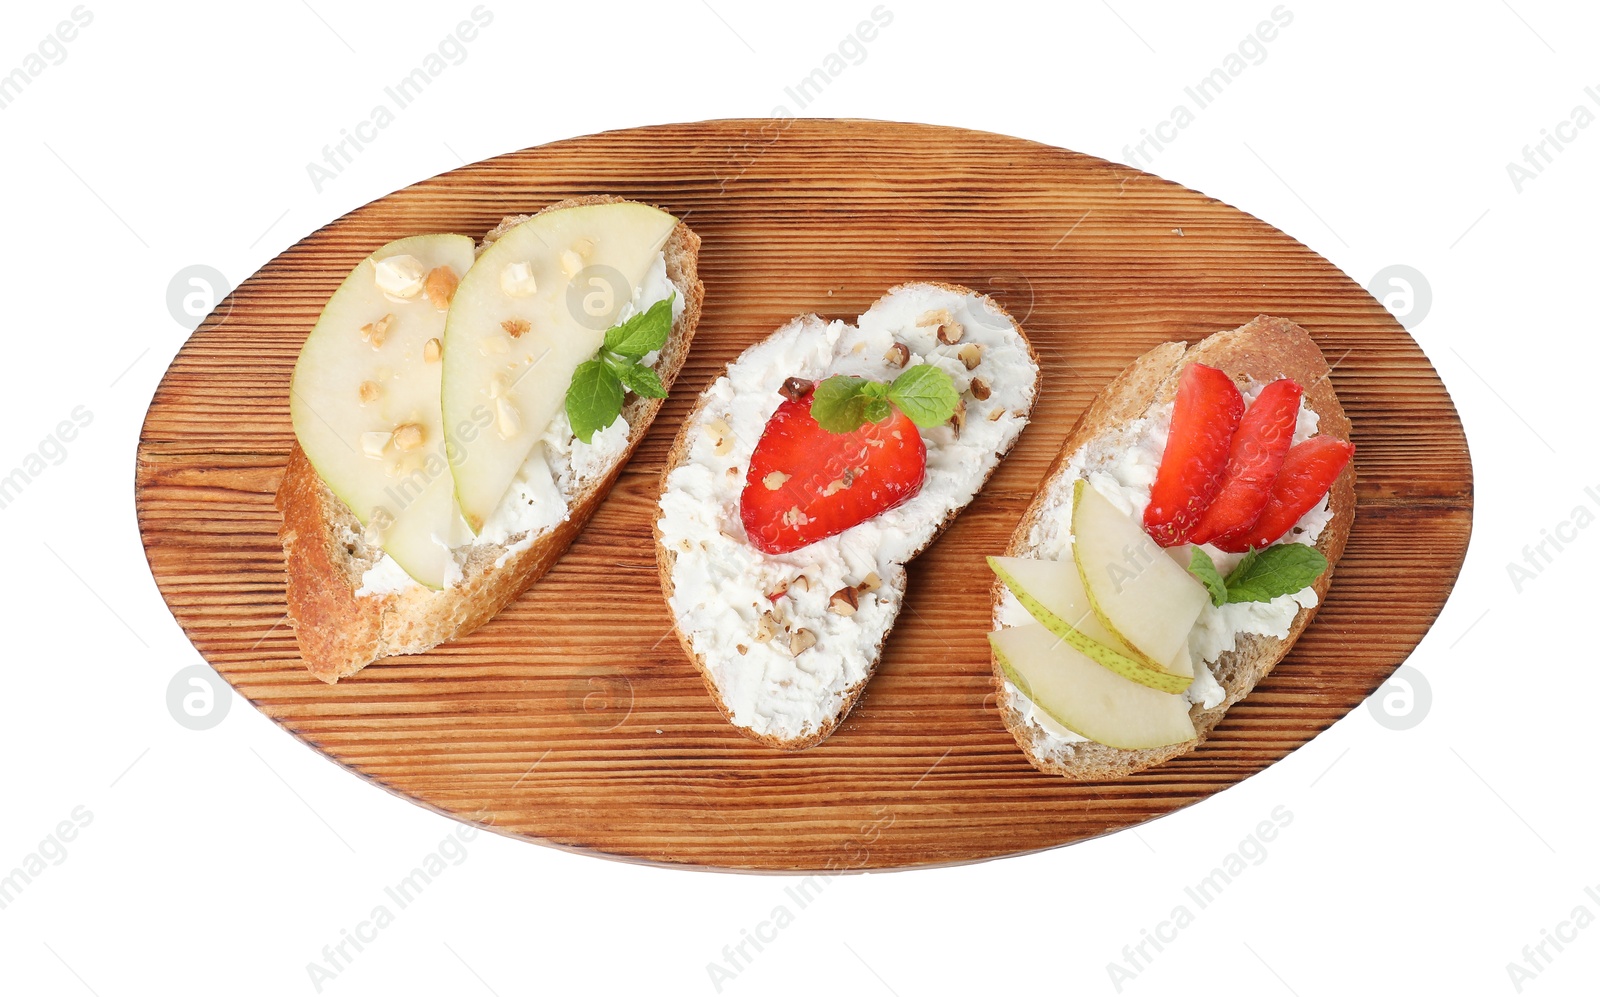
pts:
[223, 861]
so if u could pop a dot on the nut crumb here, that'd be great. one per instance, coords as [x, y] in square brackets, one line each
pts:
[441, 286]
[844, 602]
[774, 481]
[376, 332]
[980, 389]
[996, 415]
[515, 327]
[767, 627]
[899, 354]
[794, 517]
[432, 350]
[408, 436]
[795, 388]
[741, 649]
[958, 421]
[802, 583]
[368, 391]
[970, 355]
[801, 640]
[869, 583]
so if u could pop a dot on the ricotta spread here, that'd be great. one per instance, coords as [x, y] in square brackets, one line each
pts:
[722, 585]
[1122, 466]
[559, 467]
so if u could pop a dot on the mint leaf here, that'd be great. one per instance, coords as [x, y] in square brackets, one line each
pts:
[838, 403]
[642, 333]
[1202, 567]
[594, 399]
[1282, 569]
[925, 394]
[876, 409]
[642, 381]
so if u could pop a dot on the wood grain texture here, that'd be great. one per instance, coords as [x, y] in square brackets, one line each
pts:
[574, 719]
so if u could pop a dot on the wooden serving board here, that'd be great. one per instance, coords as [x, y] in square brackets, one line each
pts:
[574, 719]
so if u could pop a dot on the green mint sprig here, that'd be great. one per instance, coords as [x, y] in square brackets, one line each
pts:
[926, 394]
[1261, 575]
[594, 398]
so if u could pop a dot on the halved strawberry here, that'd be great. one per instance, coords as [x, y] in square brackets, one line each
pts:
[1205, 414]
[1259, 445]
[806, 484]
[1308, 471]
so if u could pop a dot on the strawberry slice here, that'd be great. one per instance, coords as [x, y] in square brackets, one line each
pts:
[1205, 414]
[806, 484]
[1309, 470]
[1259, 446]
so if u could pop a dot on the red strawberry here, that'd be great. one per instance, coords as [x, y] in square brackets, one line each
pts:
[1309, 470]
[1257, 451]
[806, 484]
[1205, 414]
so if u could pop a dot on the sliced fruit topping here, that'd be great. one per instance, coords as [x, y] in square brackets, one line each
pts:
[1087, 699]
[1205, 413]
[1052, 592]
[535, 305]
[1309, 470]
[1139, 593]
[1259, 445]
[806, 483]
[364, 400]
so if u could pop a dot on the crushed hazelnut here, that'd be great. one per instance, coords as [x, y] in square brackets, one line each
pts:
[408, 436]
[996, 414]
[801, 640]
[432, 350]
[369, 391]
[774, 481]
[980, 389]
[741, 649]
[844, 602]
[899, 354]
[722, 436]
[950, 332]
[441, 286]
[970, 355]
[777, 591]
[958, 421]
[376, 332]
[795, 388]
[515, 327]
[767, 627]
[801, 582]
[794, 517]
[869, 583]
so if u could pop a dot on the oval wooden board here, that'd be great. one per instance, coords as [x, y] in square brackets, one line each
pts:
[574, 718]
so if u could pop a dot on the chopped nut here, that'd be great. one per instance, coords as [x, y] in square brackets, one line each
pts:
[722, 437]
[801, 582]
[441, 286]
[517, 279]
[741, 649]
[980, 389]
[834, 487]
[950, 332]
[777, 591]
[958, 421]
[507, 420]
[933, 316]
[869, 583]
[571, 262]
[801, 640]
[399, 276]
[733, 470]
[795, 388]
[408, 436]
[515, 327]
[376, 332]
[971, 355]
[368, 391]
[794, 517]
[845, 602]
[774, 481]
[432, 350]
[898, 354]
[497, 385]
[767, 627]
[996, 414]
[374, 444]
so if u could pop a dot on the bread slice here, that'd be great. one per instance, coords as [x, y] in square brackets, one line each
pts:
[340, 632]
[718, 585]
[1262, 349]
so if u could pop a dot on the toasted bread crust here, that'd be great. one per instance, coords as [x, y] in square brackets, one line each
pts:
[1263, 349]
[666, 558]
[340, 633]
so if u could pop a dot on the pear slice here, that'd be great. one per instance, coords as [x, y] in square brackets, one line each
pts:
[1052, 593]
[535, 305]
[364, 399]
[1085, 698]
[1139, 594]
